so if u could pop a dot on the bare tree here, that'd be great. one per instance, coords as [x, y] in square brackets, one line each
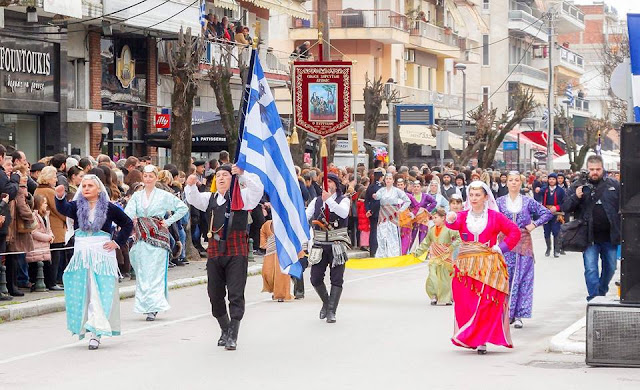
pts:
[615, 51]
[373, 99]
[490, 133]
[220, 75]
[578, 153]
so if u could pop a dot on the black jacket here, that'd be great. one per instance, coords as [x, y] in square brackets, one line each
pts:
[583, 207]
[371, 204]
[8, 186]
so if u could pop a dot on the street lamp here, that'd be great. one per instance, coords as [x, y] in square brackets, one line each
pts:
[462, 67]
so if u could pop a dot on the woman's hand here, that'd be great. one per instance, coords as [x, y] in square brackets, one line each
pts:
[60, 192]
[530, 227]
[110, 246]
[52, 239]
[451, 216]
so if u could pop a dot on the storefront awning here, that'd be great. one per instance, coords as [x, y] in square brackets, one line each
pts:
[422, 135]
[540, 138]
[227, 4]
[289, 7]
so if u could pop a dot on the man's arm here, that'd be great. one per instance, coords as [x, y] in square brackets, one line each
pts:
[252, 193]
[340, 209]
[195, 198]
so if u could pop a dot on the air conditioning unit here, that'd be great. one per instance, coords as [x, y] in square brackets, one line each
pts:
[410, 55]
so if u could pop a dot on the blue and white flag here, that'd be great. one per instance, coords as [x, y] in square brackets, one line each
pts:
[569, 94]
[633, 23]
[264, 151]
[203, 13]
[545, 117]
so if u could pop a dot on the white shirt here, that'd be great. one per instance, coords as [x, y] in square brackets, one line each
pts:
[340, 209]
[514, 206]
[251, 190]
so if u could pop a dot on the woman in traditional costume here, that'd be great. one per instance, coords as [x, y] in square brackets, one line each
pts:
[441, 243]
[520, 262]
[393, 201]
[480, 284]
[421, 202]
[434, 191]
[149, 209]
[91, 278]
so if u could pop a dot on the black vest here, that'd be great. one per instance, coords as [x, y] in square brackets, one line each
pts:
[333, 217]
[238, 219]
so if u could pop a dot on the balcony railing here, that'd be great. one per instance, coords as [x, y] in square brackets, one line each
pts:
[430, 31]
[572, 58]
[530, 20]
[215, 50]
[581, 104]
[573, 11]
[422, 96]
[358, 18]
[528, 71]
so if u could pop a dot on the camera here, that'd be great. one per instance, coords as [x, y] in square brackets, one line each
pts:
[588, 189]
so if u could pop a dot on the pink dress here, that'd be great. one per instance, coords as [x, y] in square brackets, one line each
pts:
[481, 313]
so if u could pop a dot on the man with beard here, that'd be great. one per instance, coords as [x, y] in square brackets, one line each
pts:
[552, 199]
[597, 204]
[460, 185]
[502, 186]
[447, 188]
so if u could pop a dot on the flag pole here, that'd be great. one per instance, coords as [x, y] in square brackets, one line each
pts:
[323, 142]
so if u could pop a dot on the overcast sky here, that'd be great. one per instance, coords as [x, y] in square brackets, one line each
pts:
[623, 6]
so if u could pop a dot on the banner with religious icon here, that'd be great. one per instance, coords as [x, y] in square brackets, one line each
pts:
[322, 96]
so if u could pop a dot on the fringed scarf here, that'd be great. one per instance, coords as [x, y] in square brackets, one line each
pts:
[100, 214]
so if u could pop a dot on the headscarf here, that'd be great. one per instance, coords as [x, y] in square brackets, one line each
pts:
[491, 201]
[101, 207]
[437, 186]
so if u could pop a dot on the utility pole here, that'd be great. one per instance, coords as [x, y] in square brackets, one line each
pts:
[392, 128]
[323, 27]
[550, 103]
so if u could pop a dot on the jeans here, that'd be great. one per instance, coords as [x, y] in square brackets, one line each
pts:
[598, 282]
[23, 270]
[183, 239]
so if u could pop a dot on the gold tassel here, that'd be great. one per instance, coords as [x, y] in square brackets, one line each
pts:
[354, 141]
[288, 140]
[323, 148]
[294, 136]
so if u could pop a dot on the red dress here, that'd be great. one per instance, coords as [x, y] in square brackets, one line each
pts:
[363, 223]
[481, 313]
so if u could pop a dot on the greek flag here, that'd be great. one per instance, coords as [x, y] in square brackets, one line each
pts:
[265, 152]
[203, 13]
[545, 117]
[569, 94]
[633, 23]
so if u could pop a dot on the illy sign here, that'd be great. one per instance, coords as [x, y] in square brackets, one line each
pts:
[163, 121]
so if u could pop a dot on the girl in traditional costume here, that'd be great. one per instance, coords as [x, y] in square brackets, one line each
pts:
[480, 284]
[420, 203]
[520, 262]
[149, 208]
[441, 243]
[392, 202]
[91, 278]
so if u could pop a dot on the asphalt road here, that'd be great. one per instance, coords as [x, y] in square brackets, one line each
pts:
[387, 337]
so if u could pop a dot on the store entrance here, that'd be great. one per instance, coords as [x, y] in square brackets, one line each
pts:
[21, 132]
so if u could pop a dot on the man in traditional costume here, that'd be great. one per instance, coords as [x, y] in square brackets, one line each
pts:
[91, 278]
[228, 243]
[481, 281]
[552, 198]
[330, 240]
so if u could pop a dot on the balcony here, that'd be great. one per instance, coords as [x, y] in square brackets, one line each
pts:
[382, 25]
[570, 18]
[523, 21]
[410, 95]
[435, 39]
[572, 61]
[528, 75]
[275, 65]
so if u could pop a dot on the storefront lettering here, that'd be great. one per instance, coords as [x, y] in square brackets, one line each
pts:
[30, 86]
[25, 61]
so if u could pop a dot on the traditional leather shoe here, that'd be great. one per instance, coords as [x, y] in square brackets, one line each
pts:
[224, 327]
[234, 326]
[324, 296]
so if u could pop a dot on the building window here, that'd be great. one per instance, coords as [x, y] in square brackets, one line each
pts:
[196, 101]
[419, 76]
[429, 78]
[485, 4]
[485, 50]
[485, 97]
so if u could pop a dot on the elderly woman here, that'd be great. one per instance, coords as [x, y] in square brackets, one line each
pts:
[434, 191]
[150, 209]
[392, 201]
[46, 183]
[91, 278]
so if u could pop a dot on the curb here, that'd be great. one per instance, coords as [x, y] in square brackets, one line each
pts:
[57, 304]
[561, 342]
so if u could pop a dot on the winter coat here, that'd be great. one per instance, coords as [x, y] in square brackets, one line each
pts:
[58, 220]
[8, 185]
[20, 242]
[41, 240]
[363, 221]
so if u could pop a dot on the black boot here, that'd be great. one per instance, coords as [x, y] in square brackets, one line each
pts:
[224, 327]
[324, 296]
[334, 299]
[298, 288]
[547, 240]
[556, 247]
[234, 325]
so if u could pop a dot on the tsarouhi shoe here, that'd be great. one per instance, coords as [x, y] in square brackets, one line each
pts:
[232, 340]
[324, 296]
[223, 321]
[434, 301]
[94, 344]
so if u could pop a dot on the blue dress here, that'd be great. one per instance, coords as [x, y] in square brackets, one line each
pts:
[151, 262]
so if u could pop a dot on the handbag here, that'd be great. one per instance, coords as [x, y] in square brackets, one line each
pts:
[574, 236]
[21, 227]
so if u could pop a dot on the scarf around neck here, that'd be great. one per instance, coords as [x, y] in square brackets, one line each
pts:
[100, 214]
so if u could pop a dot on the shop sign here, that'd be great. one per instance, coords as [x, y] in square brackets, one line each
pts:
[163, 121]
[125, 67]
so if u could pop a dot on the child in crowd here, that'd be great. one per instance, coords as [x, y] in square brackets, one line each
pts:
[42, 238]
[455, 203]
[441, 243]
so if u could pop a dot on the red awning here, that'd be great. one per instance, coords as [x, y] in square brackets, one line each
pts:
[540, 138]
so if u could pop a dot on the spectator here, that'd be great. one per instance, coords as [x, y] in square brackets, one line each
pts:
[502, 186]
[240, 37]
[42, 237]
[85, 164]
[130, 164]
[46, 182]
[59, 162]
[598, 200]
[302, 51]
[75, 176]
[20, 161]
[35, 171]
[224, 157]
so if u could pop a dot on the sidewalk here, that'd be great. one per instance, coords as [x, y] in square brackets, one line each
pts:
[35, 304]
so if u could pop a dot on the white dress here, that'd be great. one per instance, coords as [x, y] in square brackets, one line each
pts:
[388, 233]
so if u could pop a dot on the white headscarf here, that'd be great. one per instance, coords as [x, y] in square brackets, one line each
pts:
[437, 186]
[491, 201]
[96, 180]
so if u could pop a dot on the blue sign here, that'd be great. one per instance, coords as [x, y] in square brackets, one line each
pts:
[414, 114]
[509, 145]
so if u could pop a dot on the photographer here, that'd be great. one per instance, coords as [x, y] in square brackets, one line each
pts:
[596, 198]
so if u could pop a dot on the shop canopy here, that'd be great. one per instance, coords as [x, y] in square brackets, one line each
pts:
[540, 138]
